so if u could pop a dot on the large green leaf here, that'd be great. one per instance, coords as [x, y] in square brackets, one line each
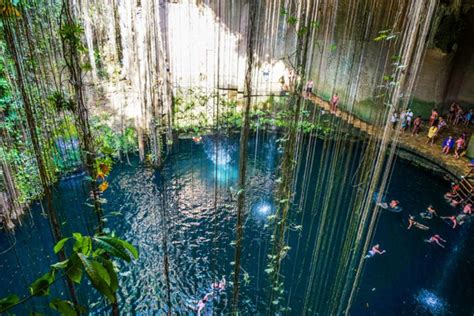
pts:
[7, 302]
[83, 244]
[113, 248]
[66, 308]
[60, 245]
[98, 276]
[74, 269]
[120, 244]
[40, 287]
[60, 264]
[109, 266]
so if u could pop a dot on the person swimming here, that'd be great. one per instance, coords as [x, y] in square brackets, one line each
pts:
[449, 196]
[436, 239]
[467, 209]
[393, 206]
[429, 213]
[197, 139]
[222, 284]
[202, 303]
[375, 250]
[412, 222]
[452, 219]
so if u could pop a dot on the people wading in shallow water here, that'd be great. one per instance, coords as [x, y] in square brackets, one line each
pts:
[374, 251]
[436, 239]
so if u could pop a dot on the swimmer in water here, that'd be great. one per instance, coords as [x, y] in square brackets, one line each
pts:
[202, 303]
[449, 196]
[467, 209]
[436, 239]
[452, 219]
[429, 213]
[222, 284]
[394, 203]
[375, 250]
[412, 222]
[197, 139]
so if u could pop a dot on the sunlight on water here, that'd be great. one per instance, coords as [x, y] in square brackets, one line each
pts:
[261, 209]
[431, 303]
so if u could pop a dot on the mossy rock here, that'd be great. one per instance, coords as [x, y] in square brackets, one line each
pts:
[422, 108]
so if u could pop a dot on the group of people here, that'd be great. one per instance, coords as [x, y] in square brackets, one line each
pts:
[457, 115]
[436, 126]
[455, 199]
[406, 121]
[217, 288]
[453, 220]
[334, 102]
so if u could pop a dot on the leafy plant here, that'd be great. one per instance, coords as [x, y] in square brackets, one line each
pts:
[91, 256]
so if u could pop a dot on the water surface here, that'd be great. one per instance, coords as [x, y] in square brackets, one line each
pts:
[190, 206]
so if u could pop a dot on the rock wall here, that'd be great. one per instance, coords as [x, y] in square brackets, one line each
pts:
[204, 47]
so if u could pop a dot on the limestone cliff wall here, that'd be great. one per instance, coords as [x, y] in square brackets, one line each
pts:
[203, 46]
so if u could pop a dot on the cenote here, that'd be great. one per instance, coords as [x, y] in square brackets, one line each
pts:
[236, 157]
[191, 204]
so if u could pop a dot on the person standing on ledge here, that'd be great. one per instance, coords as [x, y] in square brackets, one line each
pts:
[309, 88]
[334, 103]
[434, 116]
[432, 134]
[409, 118]
[416, 125]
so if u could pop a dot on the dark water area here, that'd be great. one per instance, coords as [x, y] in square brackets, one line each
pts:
[190, 205]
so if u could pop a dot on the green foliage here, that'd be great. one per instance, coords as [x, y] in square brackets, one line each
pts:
[9, 301]
[192, 110]
[71, 34]
[90, 255]
[111, 143]
[385, 35]
[60, 103]
[40, 287]
[292, 20]
[65, 308]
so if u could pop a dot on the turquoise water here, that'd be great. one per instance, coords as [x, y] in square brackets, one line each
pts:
[190, 203]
